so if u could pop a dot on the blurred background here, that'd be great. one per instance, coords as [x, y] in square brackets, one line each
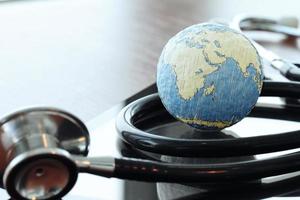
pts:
[86, 55]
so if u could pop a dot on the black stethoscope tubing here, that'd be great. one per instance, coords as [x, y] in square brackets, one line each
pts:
[138, 114]
[153, 171]
[140, 111]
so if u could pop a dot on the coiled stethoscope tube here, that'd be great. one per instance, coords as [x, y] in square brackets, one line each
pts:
[149, 109]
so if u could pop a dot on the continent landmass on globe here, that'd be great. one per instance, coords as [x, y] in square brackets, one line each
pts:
[195, 56]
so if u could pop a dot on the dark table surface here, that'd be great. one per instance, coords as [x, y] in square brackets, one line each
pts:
[87, 55]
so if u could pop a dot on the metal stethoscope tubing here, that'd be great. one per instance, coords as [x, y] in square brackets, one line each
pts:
[287, 26]
[42, 142]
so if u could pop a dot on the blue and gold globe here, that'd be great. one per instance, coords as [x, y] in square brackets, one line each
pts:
[209, 76]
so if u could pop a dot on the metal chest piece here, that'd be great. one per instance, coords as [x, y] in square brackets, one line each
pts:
[35, 149]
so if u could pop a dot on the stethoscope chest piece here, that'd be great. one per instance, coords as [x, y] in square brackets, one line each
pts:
[37, 144]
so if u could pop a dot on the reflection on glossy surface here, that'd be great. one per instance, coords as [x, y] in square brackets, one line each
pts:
[168, 191]
[284, 186]
[42, 179]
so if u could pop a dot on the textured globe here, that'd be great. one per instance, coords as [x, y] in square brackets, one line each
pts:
[209, 76]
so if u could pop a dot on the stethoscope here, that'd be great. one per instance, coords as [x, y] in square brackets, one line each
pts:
[44, 149]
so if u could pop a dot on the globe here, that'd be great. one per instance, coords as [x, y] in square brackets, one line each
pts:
[209, 76]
